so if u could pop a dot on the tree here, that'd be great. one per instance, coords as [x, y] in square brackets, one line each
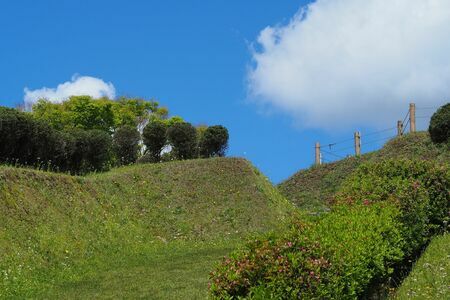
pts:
[214, 141]
[104, 114]
[155, 138]
[126, 144]
[98, 155]
[183, 139]
[439, 128]
[88, 150]
[24, 140]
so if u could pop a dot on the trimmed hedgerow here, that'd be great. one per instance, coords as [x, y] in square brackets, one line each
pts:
[383, 213]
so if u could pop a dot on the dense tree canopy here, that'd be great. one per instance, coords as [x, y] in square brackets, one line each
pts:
[104, 114]
[183, 138]
[82, 135]
[155, 138]
[126, 144]
[214, 141]
[440, 125]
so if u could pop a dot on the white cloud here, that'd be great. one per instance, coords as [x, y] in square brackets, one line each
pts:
[346, 62]
[78, 85]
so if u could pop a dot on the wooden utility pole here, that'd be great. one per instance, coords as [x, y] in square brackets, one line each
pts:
[357, 143]
[399, 128]
[412, 117]
[318, 158]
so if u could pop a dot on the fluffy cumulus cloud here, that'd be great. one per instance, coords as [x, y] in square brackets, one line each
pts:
[78, 85]
[347, 62]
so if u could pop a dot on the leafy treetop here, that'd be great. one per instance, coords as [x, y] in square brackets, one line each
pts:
[87, 113]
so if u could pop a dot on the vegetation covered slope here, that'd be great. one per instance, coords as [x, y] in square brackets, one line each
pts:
[430, 277]
[313, 188]
[57, 229]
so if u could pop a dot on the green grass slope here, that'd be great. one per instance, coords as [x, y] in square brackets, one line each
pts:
[313, 188]
[430, 277]
[129, 229]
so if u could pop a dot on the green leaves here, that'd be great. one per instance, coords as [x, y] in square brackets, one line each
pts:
[384, 213]
[440, 125]
[87, 113]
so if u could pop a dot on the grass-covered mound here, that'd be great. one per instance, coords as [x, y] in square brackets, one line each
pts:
[430, 277]
[58, 232]
[313, 189]
[383, 214]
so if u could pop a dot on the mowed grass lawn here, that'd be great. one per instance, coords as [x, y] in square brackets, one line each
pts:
[167, 272]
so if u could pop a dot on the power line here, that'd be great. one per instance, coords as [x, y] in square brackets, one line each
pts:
[377, 140]
[420, 108]
[333, 154]
[342, 149]
[380, 131]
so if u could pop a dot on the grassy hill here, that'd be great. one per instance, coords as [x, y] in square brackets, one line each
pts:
[429, 278]
[311, 189]
[146, 230]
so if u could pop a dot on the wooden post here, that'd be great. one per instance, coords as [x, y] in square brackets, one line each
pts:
[357, 143]
[399, 128]
[318, 158]
[412, 117]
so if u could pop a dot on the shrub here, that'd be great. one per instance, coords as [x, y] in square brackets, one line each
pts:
[88, 150]
[440, 125]
[98, 155]
[384, 212]
[126, 144]
[183, 138]
[155, 138]
[338, 257]
[214, 141]
[419, 188]
[26, 141]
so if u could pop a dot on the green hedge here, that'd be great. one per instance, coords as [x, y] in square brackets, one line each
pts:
[419, 188]
[383, 213]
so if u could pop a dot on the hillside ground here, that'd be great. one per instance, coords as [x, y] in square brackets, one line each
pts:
[430, 277]
[312, 189]
[146, 230]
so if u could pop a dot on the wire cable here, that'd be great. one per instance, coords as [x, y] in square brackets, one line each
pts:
[405, 126]
[404, 119]
[380, 131]
[333, 154]
[423, 108]
[377, 140]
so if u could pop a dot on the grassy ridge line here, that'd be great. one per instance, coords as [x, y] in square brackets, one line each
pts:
[430, 277]
[56, 228]
[311, 189]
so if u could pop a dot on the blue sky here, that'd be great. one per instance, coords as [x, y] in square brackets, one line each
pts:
[192, 56]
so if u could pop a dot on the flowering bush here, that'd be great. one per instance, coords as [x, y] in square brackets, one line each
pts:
[383, 213]
[339, 254]
[420, 189]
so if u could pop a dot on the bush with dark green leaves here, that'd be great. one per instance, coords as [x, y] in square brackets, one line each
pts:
[214, 141]
[126, 145]
[440, 125]
[183, 139]
[88, 151]
[338, 256]
[155, 139]
[419, 188]
[384, 213]
[25, 141]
